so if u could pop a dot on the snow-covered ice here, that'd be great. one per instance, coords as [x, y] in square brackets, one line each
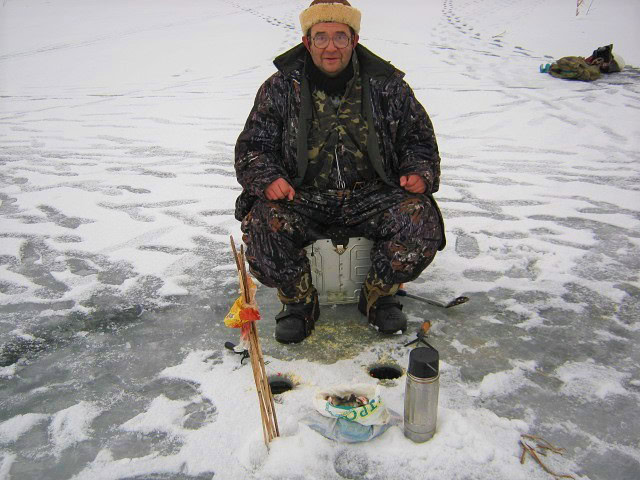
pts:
[15, 427]
[117, 126]
[72, 425]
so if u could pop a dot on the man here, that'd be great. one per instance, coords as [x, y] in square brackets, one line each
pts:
[337, 139]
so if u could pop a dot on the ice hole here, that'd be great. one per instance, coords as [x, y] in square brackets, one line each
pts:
[279, 384]
[387, 371]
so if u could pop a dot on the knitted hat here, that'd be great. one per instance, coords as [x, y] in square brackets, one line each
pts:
[339, 11]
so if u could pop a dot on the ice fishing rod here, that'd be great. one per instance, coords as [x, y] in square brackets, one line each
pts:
[238, 350]
[452, 303]
[423, 332]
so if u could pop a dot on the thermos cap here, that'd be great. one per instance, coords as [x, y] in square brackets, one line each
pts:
[424, 362]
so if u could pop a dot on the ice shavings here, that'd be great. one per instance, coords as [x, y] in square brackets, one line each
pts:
[72, 425]
[12, 429]
[590, 380]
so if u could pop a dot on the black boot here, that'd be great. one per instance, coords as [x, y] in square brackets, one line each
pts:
[296, 320]
[385, 314]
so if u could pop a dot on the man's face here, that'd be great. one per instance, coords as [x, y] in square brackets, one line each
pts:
[330, 59]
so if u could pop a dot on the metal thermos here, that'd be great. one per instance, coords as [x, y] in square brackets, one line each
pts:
[421, 394]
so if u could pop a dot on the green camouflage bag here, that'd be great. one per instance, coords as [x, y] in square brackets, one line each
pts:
[574, 68]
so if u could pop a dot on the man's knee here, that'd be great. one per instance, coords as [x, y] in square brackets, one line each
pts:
[411, 240]
[268, 217]
[416, 218]
[273, 232]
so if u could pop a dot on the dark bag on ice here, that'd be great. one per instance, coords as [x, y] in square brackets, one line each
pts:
[606, 60]
[574, 68]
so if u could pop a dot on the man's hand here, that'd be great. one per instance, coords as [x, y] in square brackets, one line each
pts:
[413, 183]
[279, 189]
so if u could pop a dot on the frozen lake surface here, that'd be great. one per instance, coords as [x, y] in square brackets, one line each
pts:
[117, 127]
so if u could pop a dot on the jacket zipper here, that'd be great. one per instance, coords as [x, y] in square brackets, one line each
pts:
[341, 184]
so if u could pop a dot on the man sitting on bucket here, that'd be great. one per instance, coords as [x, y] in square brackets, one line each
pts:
[336, 138]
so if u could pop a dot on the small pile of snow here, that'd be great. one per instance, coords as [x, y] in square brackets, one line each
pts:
[588, 380]
[15, 427]
[5, 464]
[461, 347]
[506, 381]
[72, 425]
[163, 415]
[8, 372]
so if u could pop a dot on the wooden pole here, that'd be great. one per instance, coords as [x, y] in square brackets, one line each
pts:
[271, 406]
[267, 417]
[256, 350]
[270, 428]
[266, 431]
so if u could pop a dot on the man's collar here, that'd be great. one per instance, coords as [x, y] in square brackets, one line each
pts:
[331, 85]
[291, 62]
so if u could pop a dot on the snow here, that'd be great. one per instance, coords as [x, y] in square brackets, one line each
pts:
[5, 464]
[163, 415]
[586, 379]
[8, 371]
[72, 425]
[12, 429]
[505, 381]
[467, 439]
[117, 127]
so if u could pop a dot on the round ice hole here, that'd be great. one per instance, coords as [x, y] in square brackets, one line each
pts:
[279, 384]
[385, 371]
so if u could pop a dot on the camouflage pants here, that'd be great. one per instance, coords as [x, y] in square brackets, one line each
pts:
[406, 229]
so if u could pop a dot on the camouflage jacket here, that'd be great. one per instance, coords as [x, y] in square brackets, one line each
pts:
[273, 143]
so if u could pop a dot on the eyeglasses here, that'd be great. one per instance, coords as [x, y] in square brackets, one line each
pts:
[340, 40]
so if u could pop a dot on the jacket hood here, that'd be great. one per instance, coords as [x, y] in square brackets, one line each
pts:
[291, 62]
